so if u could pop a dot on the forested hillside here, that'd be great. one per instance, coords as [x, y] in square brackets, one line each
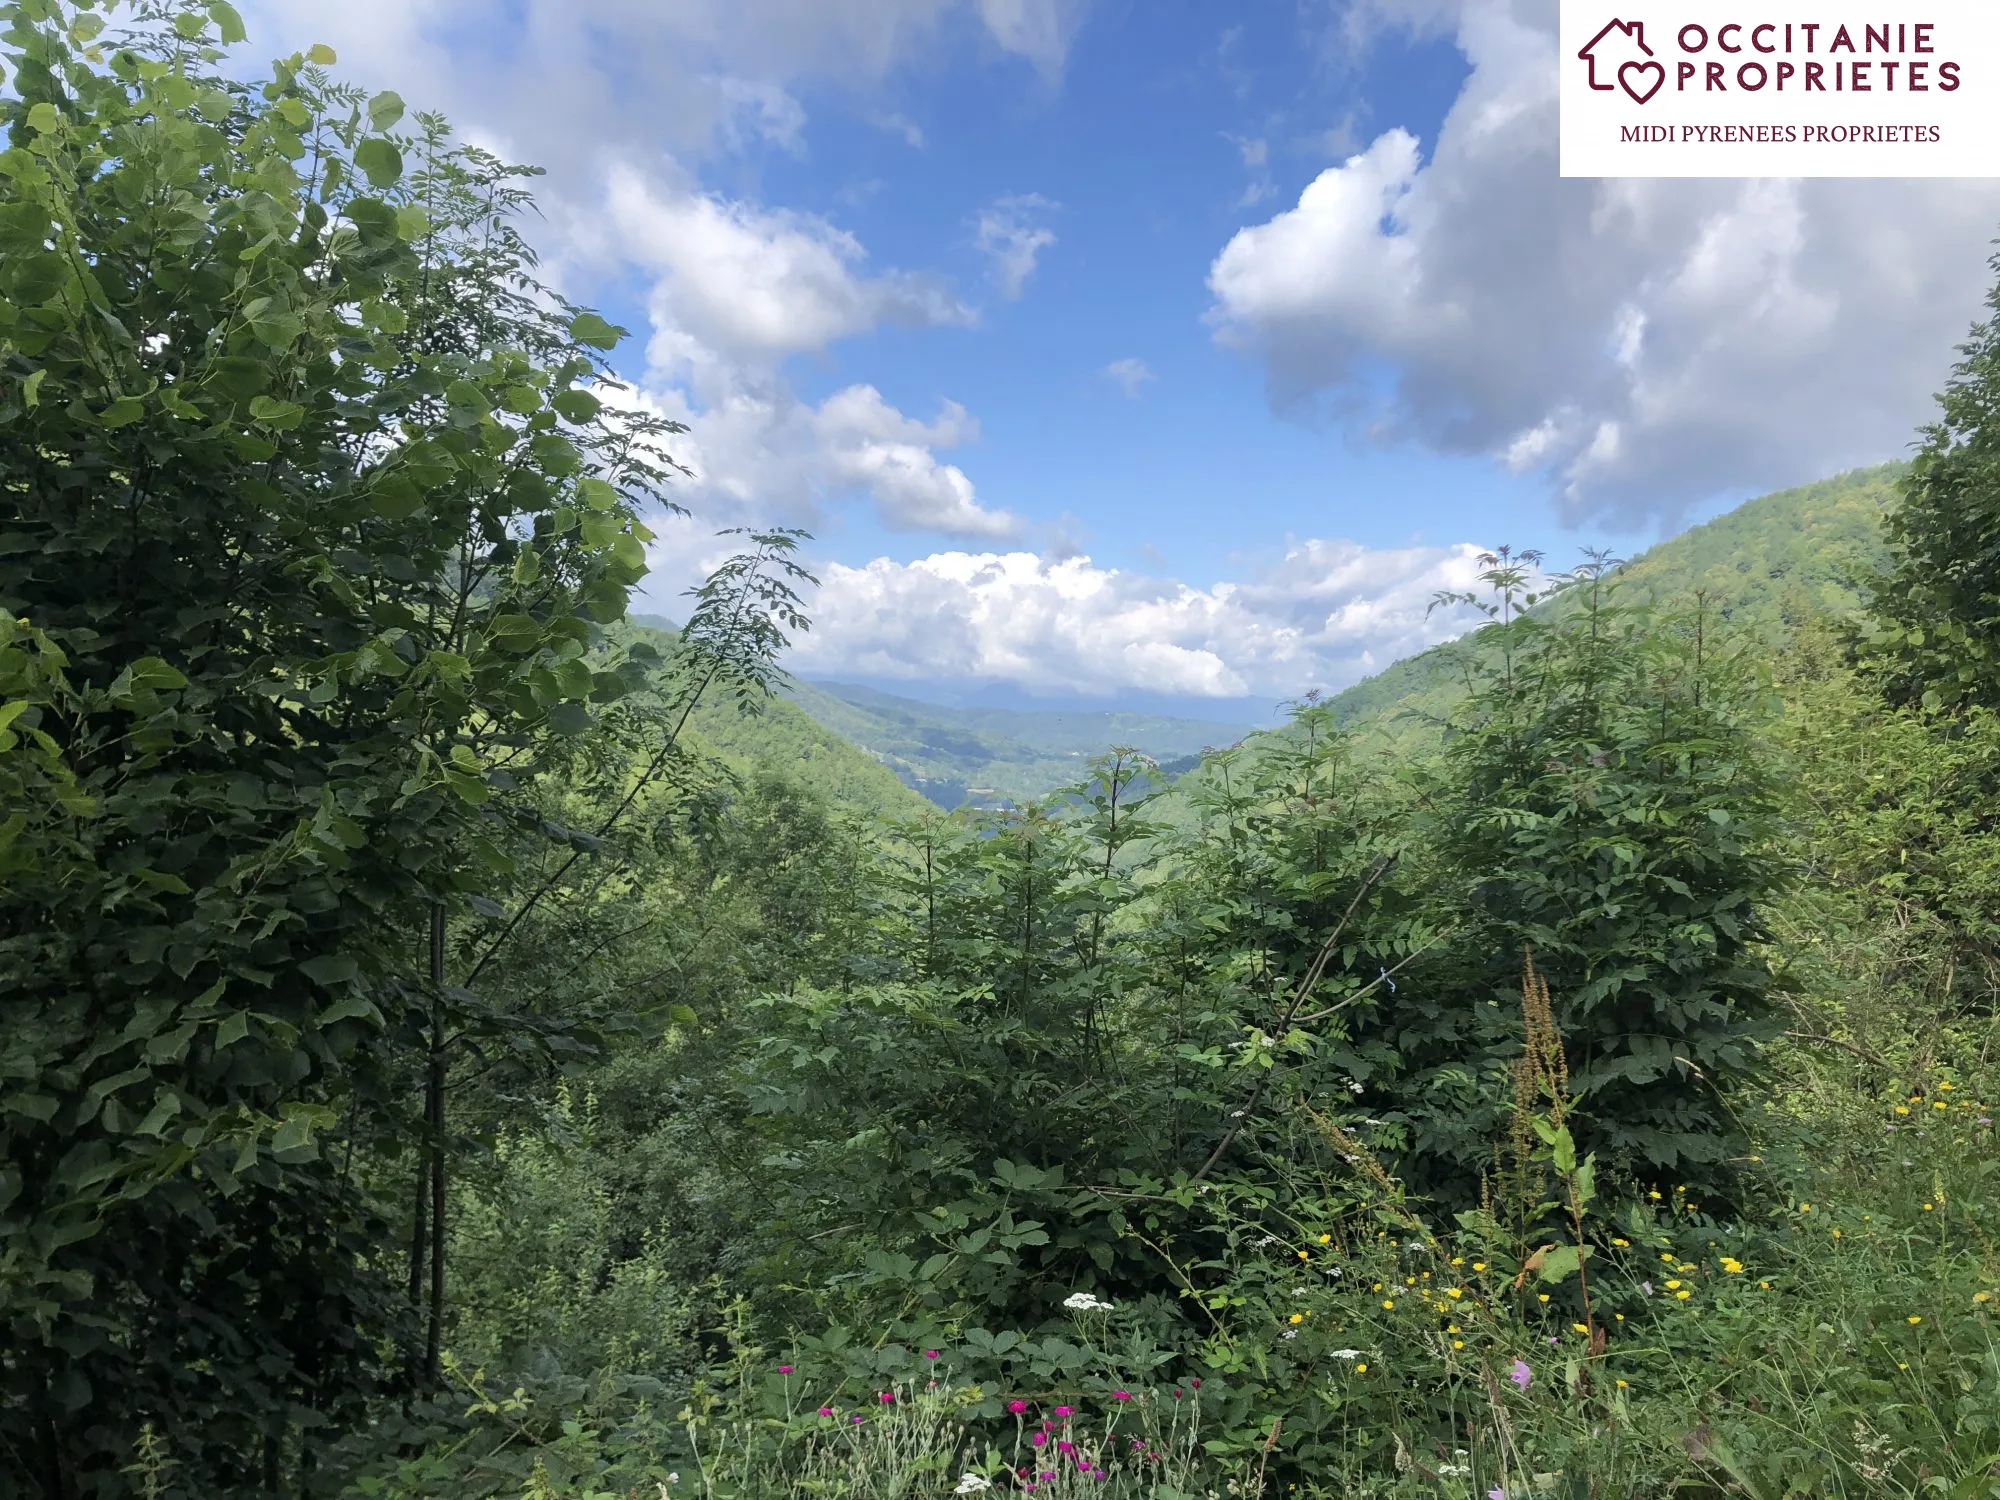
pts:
[462, 1044]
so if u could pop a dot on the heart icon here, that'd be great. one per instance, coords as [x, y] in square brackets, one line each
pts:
[1652, 72]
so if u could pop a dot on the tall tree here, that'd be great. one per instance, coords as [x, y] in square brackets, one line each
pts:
[311, 512]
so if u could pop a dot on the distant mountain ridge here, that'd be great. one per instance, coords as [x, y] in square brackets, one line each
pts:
[996, 755]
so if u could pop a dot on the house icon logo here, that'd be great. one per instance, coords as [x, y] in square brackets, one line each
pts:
[1613, 57]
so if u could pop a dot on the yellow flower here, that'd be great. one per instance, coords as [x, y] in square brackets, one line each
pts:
[1452, 1329]
[1684, 1267]
[1982, 1296]
[1836, 1234]
[1683, 1295]
[1902, 1109]
[1619, 1316]
[1326, 1239]
[1458, 1343]
[1580, 1327]
[1378, 1286]
[1672, 1285]
[1622, 1244]
[1304, 1256]
[1622, 1385]
[1734, 1266]
[1939, 1104]
[1409, 1281]
[1541, 1296]
[1669, 1259]
[1361, 1369]
[1805, 1208]
[1389, 1304]
[1764, 1286]
[1929, 1206]
[1913, 1320]
[1654, 1194]
[1479, 1265]
[1298, 1317]
[1945, 1085]
[1458, 1260]
[1454, 1292]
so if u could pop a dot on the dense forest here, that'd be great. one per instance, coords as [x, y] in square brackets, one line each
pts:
[460, 1041]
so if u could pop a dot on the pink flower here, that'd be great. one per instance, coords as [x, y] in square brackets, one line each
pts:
[1521, 1374]
[1017, 1407]
[784, 1369]
[826, 1411]
[930, 1354]
[1065, 1446]
[856, 1418]
[1063, 1411]
[1121, 1395]
[1039, 1439]
[887, 1398]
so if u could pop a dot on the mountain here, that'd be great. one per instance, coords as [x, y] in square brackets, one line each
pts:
[786, 739]
[1767, 567]
[995, 755]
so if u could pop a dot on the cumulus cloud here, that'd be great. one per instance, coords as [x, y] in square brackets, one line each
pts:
[1645, 344]
[558, 80]
[1327, 614]
[1012, 238]
[1129, 375]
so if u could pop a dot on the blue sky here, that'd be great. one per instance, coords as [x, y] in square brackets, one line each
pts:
[1170, 350]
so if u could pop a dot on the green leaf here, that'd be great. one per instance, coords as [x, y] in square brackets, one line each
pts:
[322, 54]
[589, 328]
[232, 1029]
[380, 159]
[122, 412]
[1557, 1262]
[44, 118]
[330, 969]
[279, 415]
[576, 406]
[348, 1007]
[228, 24]
[31, 388]
[384, 110]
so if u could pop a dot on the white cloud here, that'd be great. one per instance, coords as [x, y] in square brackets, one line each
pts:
[1129, 375]
[1326, 615]
[1646, 344]
[1012, 239]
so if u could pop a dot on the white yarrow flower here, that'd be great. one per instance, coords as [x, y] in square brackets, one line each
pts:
[1347, 1354]
[1084, 1302]
[973, 1484]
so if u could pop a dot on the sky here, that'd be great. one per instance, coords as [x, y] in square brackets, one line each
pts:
[1168, 353]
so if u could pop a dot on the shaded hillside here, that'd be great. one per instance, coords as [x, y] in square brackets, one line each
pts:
[784, 738]
[992, 755]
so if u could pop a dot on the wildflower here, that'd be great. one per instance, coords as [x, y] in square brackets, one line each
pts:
[973, 1484]
[930, 1354]
[1733, 1266]
[1836, 1234]
[1682, 1295]
[1622, 1386]
[1297, 1318]
[1064, 1445]
[887, 1398]
[1346, 1353]
[1982, 1296]
[1084, 1302]
[856, 1418]
[1654, 1194]
[1064, 1411]
[1039, 1439]
[1121, 1395]
[1304, 1256]
[1454, 1292]
[1326, 1239]
[1521, 1374]
[1902, 1109]
[1913, 1320]
[1458, 1343]
[1479, 1265]
[1017, 1407]
[1361, 1369]
[1389, 1304]
[1944, 1086]
[1646, 1287]
[1763, 1286]
[1580, 1327]
[1458, 1260]
[1805, 1208]
[1673, 1286]
[1940, 1104]
[674, 1477]
[1541, 1296]
[1622, 1244]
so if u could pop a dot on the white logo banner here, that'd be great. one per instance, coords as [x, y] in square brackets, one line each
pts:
[1780, 88]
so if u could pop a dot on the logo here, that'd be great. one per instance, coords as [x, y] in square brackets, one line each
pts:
[1640, 79]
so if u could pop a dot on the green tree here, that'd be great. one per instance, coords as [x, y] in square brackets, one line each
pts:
[312, 516]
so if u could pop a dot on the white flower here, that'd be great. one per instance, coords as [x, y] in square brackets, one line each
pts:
[1353, 1086]
[1084, 1302]
[1291, 1333]
[1300, 1291]
[972, 1484]
[1454, 1471]
[1346, 1354]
